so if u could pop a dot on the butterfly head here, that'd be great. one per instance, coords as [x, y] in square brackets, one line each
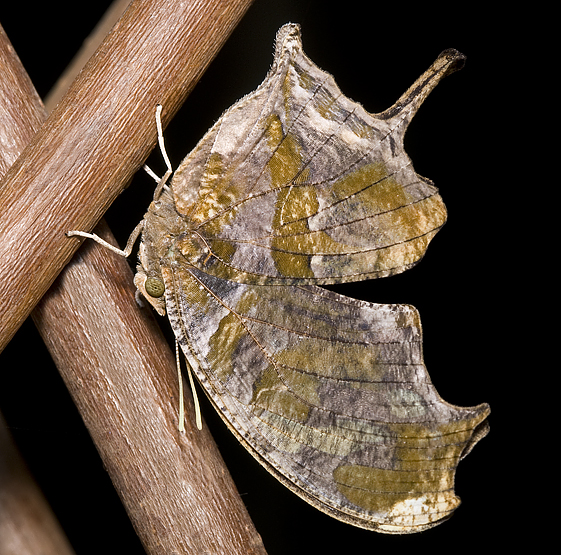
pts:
[149, 282]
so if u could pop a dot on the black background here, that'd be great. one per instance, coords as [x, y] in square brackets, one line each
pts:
[461, 288]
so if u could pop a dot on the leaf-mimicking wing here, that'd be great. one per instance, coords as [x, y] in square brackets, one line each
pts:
[330, 393]
[296, 186]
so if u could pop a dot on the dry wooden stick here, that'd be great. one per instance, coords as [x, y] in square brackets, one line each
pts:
[27, 525]
[175, 487]
[97, 137]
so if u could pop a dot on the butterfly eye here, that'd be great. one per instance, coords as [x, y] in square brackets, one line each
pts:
[154, 287]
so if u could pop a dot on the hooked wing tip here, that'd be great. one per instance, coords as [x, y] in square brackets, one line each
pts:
[456, 58]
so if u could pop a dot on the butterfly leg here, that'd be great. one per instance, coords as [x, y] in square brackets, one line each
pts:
[124, 252]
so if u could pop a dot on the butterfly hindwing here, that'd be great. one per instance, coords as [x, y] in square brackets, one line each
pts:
[329, 393]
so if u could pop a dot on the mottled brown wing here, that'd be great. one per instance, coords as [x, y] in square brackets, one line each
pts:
[329, 393]
[297, 182]
[295, 185]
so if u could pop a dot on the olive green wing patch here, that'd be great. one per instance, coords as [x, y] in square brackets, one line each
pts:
[329, 393]
[297, 182]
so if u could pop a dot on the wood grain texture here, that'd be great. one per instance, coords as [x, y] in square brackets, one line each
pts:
[122, 377]
[97, 137]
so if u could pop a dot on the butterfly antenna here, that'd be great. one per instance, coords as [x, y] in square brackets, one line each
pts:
[180, 380]
[198, 418]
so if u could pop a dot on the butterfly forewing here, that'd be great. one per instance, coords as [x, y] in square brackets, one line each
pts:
[297, 182]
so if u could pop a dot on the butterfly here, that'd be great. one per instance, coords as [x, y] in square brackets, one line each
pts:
[294, 187]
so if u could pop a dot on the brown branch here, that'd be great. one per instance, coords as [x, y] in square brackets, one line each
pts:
[110, 353]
